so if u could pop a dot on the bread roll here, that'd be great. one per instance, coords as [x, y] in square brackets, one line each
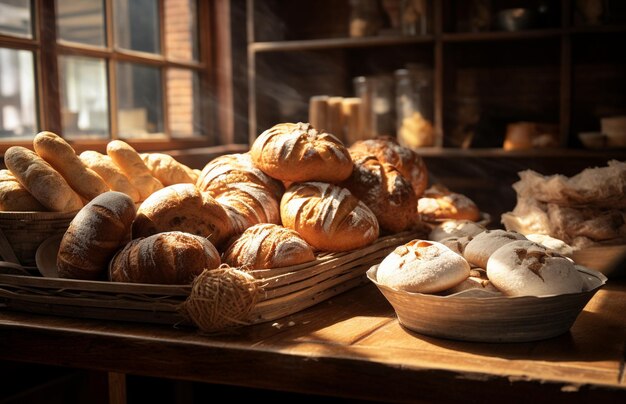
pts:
[388, 150]
[422, 266]
[439, 203]
[328, 217]
[219, 173]
[94, 235]
[170, 258]
[247, 204]
[166, 169]
[455, 228]
[524, 268]
[298, 152]
[477, 280]
[110, 173]
[62, 157]
[14, 197]
[480, 248]
[385, 191]
[268, 245]
[456, 244]
[133, 167]
[182, 207]
[42, 181]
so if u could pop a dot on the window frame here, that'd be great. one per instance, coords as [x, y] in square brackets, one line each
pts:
[213, 21]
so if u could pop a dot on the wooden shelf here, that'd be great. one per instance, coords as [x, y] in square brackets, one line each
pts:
[337, 43]
[501, 35]
[533, 153]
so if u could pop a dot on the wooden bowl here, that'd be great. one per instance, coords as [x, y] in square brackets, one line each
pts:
[477, 315]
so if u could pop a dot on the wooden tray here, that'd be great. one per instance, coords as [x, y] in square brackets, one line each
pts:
[284, 290]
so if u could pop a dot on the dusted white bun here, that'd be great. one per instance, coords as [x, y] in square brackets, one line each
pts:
[480, 248]
[455, 228]
[552, 243]
[422, 266]
[477, 280]
[524, 268]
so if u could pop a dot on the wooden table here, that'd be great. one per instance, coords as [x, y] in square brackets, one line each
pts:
[350, 346]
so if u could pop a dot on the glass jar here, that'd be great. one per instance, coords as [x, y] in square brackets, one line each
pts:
[414, 107]
[377, 104]
[414, 17]
[365, 18]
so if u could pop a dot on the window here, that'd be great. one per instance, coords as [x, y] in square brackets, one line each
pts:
[95, 70]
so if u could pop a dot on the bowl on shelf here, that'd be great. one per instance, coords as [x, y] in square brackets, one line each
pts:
[515, 19]
[593, 140]
[614, 128]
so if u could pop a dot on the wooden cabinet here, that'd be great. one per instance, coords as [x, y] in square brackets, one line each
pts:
[567, 68]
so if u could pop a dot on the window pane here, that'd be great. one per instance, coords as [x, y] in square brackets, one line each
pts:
[84, 100]
[181, 29]
[136, 25]
[183, 101]
[15, 18]
[139, 99]
[18, 112]
[81, 21]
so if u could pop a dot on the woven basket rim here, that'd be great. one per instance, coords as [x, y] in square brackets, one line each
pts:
[37, 215]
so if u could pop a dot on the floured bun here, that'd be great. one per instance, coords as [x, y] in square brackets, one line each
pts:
[477, 280]
[95, 234]
[525, 268]
[480, 248]
[455, 228]
[422, 266]
[267, 245]
[328, 216]
[552, 243]
[297, 152]
[457, 244]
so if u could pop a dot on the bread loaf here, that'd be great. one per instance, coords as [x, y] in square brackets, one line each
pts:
[42, 181]
[328, 217]
[133, 167]
[439, 203]
[94, 235]
[298, 152]
[219, 173]
[480, 248]
[389, 151]
[62, 157]
[268, 245]
[455, 228]
[247, 204]
[110, 173]
[385, 191]
[14, 197]
[171, 258]
[166, 169]
[182, 207]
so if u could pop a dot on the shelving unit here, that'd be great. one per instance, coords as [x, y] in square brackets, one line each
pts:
[546, 74]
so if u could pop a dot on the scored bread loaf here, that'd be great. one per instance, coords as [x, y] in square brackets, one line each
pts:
[439, 203]
[14, 197]
[267, 245]
[62, 157]
[168, 170]
[183, 207]
[94, 235]
[133, 167]
[42, 181]
[297, 152]
[385, 191]
[482, 245]
[170, 258]
[110, 173]
[219, 173]
[247, 204]
[328, 216]
[388, 150]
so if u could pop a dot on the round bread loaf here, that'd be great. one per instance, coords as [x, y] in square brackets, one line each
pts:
[267, 245]
[388, 150]
[14, 197]
[42, 181]
[110, 173]
[170, 258]
[97, 231]
[456, 244]
[385, 191]
[62, 157]
[477, 280]
[182, 207]
[297, 152]
[247, 204]
[219, 173]
[455, 228]
[129, 161]
[422, 266]
[328, 217]
[480, 248]
[439, 203]
[168, 170]
[551, 243]
[525, 268]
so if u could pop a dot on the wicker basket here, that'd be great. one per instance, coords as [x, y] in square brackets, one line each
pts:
[21, 233]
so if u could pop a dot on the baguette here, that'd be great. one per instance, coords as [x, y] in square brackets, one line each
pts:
[166, 169]
[14, 197]
[110, 173]
[133, 166]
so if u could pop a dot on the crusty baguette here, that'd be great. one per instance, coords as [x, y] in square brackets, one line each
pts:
[110, 173]
[14, 197]
[60, 155]
[41, 180]
[133, 166]
[168, 170]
